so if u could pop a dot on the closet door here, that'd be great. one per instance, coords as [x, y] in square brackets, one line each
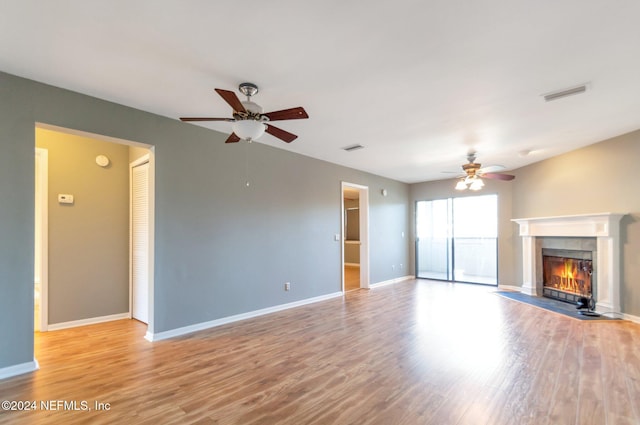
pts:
[140, 242]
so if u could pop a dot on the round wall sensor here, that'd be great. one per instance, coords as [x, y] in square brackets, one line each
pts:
[102, 160]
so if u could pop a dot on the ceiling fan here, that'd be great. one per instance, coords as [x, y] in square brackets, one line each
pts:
[474, 173]
[249, 122]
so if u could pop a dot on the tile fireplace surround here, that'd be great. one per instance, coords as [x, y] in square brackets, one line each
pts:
[605, 227]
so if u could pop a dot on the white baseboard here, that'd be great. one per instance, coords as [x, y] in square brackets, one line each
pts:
[631, 318]
[19, 369]
[391, 281]
[90, 321]
[510, 288]
[230, 319]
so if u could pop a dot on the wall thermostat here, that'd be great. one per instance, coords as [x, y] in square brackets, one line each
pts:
[65, 198]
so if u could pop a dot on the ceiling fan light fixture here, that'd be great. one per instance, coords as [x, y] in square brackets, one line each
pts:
[248, 130]
[476, 184]
[474, 171]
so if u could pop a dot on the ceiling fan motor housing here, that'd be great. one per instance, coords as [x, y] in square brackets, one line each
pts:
[471, 168]
[253, 112]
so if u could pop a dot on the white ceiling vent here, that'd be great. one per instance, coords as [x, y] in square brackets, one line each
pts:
[564, 93]
[352, 148]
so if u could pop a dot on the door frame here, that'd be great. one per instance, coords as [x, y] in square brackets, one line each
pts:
[42, 217]
[363, 204]
[152, 174]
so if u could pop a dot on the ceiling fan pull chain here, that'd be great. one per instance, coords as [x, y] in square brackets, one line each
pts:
[246, 164]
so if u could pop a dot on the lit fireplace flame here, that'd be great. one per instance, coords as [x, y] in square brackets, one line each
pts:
[568, 274]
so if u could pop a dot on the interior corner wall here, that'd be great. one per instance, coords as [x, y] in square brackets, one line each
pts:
[89, 239]
[136, 152]
[443, 189]
[595, 179]
[221, 248]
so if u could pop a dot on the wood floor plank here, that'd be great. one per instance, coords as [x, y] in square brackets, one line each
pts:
[630, 357]
[567, 385]
[592, 409]
[415, 352]
[619, 405]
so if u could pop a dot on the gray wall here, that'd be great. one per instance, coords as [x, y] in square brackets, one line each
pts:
[88, 240]
[221, 248]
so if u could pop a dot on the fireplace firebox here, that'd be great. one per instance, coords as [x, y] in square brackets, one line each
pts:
[567, 275]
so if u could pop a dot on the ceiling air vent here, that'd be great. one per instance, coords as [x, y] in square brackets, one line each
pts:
[352, 148]
[564, 93]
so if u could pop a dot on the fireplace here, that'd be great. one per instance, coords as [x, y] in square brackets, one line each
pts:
[567, 274]
[601, 230]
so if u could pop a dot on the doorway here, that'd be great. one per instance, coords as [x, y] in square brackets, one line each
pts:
[59, 152]
[355, 236]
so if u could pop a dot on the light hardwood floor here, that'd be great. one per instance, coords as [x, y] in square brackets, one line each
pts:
[415, 352]
[351, 278]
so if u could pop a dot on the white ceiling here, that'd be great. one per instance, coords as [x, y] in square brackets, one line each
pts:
[419, 83]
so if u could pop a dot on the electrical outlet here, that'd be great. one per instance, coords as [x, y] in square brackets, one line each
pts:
[400, 266]
[287, 286]
[393, 267]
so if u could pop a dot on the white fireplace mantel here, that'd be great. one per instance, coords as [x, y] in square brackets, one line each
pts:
[605, 227]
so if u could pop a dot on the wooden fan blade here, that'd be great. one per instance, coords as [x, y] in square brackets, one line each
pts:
[231, 98]
[280, 134]
[498, 176]
[232, 138]
[186, 119]
[287, 114]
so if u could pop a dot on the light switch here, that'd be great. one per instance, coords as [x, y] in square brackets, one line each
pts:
[65, 198]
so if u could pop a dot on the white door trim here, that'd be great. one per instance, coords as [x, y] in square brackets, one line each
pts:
[42, 216]
[363, 205]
